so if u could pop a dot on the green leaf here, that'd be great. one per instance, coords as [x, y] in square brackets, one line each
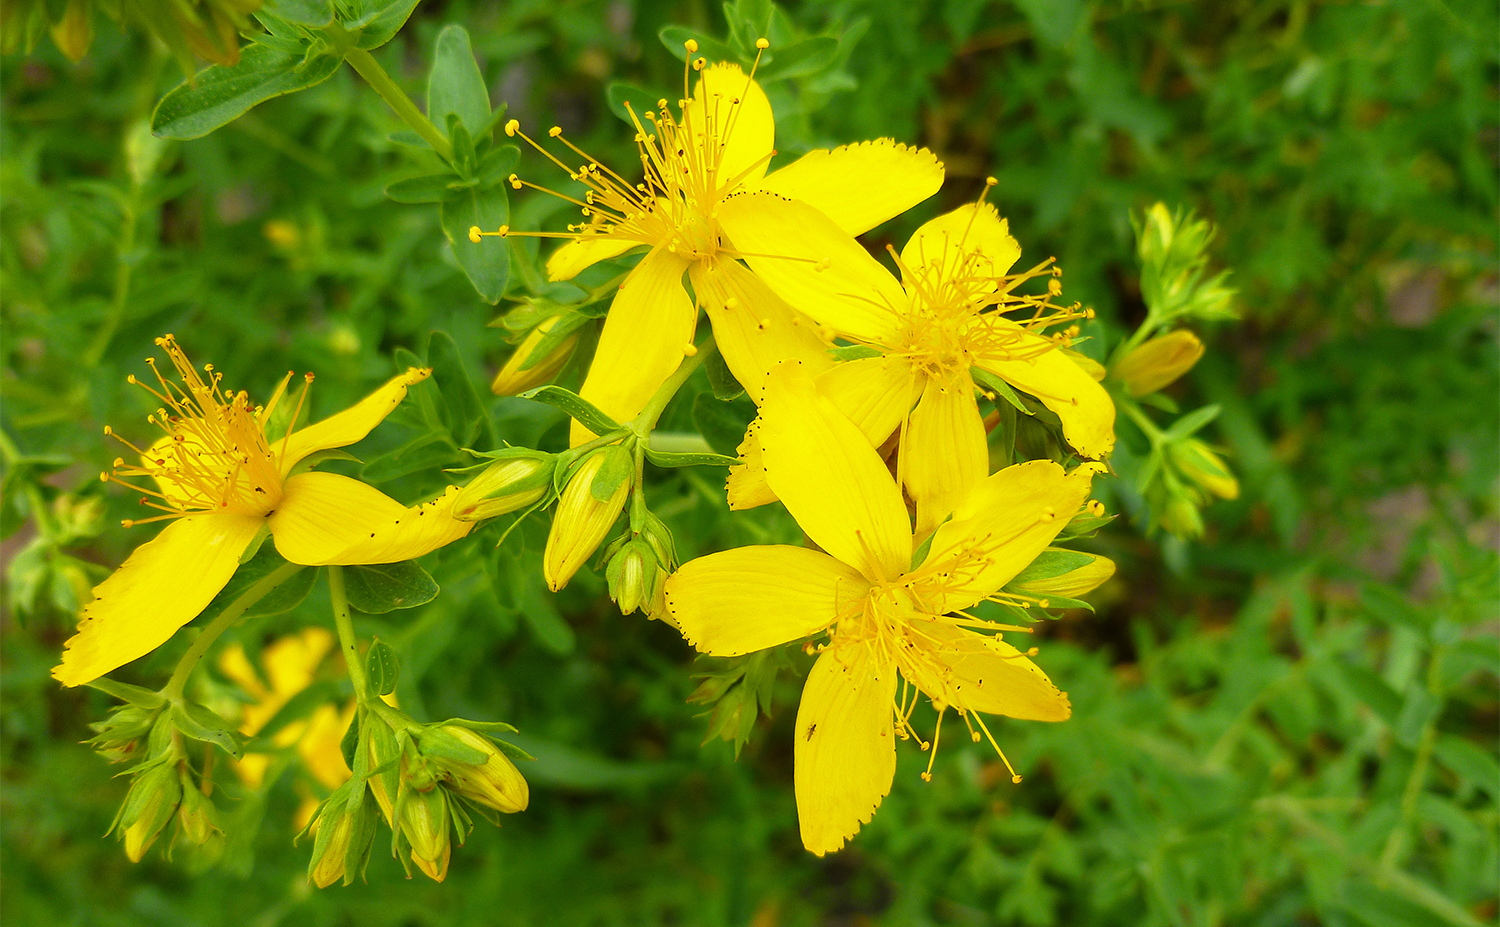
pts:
[468, 419]
[486, 263]
[197, 722]
[455, 84]
[1191, 422]
[138, 696]
[673, 38]
[382, 667]
[430, 188]
[381, 24]
[798, 59]
[422, 453]
[1052, 563]
[641, 100]
[722, 424]
[497, 164]
[1420, 708]
[219, 95]
[1478, 768]
[380, 588]
[726, 388]
[313, 13]
[281, 599]
[849, 352]
[618, 467]
[580, 409]
[1372, 690]
[999, 387]
[675, 459]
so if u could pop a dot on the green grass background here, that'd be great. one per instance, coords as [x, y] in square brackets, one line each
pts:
[1293, 721]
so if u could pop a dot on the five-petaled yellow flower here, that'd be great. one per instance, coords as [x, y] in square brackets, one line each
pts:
[884, 616]
[220, 480]
[955, 308]
[692, 165]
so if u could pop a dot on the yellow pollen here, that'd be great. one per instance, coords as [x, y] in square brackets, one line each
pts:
[691, 45]
[762, 44]
[512, 126]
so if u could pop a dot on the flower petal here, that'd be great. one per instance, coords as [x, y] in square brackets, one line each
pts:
[327, 518]
[860, 186]
[1002, 524]
[1086, 411]
[580, 254]
[876, 393]
[984, 673]
[651, 321]
[786, 241]
[939, 248]
[846, 745]
[830, 478]
[746, 486]
[753, 327]
[351, 425]
[944, 452]
[161, 586]
[739, 601]
[731, 110]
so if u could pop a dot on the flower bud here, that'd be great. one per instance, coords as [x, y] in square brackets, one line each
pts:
[331, 848]
[508, 484]
[633, 577]
[152, 801]
[384, 756]
[424, 822]
[515, 377]
[582, 518]
[196, 814]
[1197, 463]
[494, 781]
[74, 32]
[1181, 517]
[1159, 362]
[118, 737]
[1073, 583]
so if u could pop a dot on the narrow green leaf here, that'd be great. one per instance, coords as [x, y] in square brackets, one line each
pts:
[798, 60]
[219, 95]
[618, 467]
[455, 84]
[312, 13]
[1191, 422]
[999, 387]
[1052, 563]
[575, 406]
[641, 100]
[380, 588]
[1475, 766]
[675, 459]
[431, 188]
[849, 352]
[136, 695]
[197, 722]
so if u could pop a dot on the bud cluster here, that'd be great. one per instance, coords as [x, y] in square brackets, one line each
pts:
[164, 787]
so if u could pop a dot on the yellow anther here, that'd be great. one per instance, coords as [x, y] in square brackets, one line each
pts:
[503, 231]
[512, 126]
[662, 103]
[990, 181]
[690, 349]
[699, 63]
[103, 477]
[691, 45]
[515, 181]
[762, 44]
[823, 265]
[475, 234]
[554, 132]
[731, 302]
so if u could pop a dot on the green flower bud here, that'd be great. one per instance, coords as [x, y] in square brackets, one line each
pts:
[118, 737]
[1181, 517]
[1203, 468]
[149, 806]
[517, 377]
[196, 814]
[328, 864]
[1159, 362]
[1073, 583]
[582, 517]
[508, 484]
[477, 769]
[634, 578]
[424, 823]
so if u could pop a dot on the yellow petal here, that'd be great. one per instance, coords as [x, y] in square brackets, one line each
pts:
[860, 186]
[876, 393]
[350, 425]
[1086, 411]
[943, 453]
[786, 242]
[747, 486]
[830, 478]
[739, 601]
[983, 673]
[325, 518]
[753, 327]
[845, 745]
[650, 323]
[161, 586]
[730, 118]
[580, 254]
[939, 248]
[1001, 525]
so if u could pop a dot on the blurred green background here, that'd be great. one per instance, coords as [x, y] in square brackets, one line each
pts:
[1291, 721]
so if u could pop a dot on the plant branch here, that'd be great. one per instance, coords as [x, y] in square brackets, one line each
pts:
[226, 620]
[345, 624]
[370, 69]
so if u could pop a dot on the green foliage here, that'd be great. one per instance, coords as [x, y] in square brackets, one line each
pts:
[1290, 720]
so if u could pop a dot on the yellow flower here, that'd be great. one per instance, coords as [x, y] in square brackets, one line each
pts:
[945, 316]
[220, 480]
[718, 145]
[291, 664]
[884, 617]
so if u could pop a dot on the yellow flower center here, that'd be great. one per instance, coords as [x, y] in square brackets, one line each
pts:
[213, 456]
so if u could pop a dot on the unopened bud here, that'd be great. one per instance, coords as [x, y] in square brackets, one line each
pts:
[493, 781]
[582, 519]
[119, 736]
[508, 484]
[1181, 517]
[1203, 467]
[345, 830]
[385, 765]
[149, 806]
[196, 814]
[634, 578]
[522, 371]
[331, 848]
[424, 823]
[1159, 362]
[1072, 584]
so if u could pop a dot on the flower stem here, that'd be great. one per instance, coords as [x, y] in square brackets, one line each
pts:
[345, 624]
[646, 420]
[370, 69]
[226, 620]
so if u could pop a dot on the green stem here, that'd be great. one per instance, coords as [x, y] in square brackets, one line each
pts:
[370, 69]
[1396, 842]
[224, 622]
[345, 624]
[1141, 419]
[646, 420]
